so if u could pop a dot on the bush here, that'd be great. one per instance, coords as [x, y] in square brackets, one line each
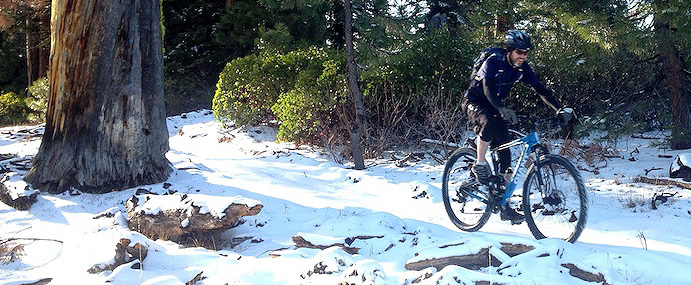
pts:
[308, 112]
[417, 93]
[38, 100]
[436, 60]
[239, 97]
[409, 95]
[13, 109]
[300, 89]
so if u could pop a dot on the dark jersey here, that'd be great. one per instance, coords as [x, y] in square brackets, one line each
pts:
[496, 77]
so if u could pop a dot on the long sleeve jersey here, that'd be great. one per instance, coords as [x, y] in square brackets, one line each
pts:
[496, 77]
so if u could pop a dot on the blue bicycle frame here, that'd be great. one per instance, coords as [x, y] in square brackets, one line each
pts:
[530, 141]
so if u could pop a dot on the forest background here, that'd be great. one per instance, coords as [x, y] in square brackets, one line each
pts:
[619, 64]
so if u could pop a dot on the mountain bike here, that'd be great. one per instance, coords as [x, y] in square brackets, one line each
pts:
[554, 199]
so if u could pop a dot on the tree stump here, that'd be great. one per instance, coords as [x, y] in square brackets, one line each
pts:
[124, 253]
[187, 219]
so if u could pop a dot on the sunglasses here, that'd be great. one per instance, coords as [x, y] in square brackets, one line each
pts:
[522, 52]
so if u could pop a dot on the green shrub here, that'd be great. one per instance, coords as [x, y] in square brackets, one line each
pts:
[240, 96]
[308, 113]
[436, 60]
[300, 89]
[38, 100]
[13, 109]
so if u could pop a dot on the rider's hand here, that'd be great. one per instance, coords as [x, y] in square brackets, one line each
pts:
[508, 115]
[566, 114]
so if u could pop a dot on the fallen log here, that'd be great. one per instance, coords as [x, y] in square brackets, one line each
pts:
[663, 182]
[189, 218]
[302, 242]
[584, 275]
[513, 249]
[470, 261]
[468, 254]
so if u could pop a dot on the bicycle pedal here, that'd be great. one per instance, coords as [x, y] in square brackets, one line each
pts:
[516, 222]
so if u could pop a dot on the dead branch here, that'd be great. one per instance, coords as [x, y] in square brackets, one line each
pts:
[642, 136]
[302, 242]
[651, 169]
[31, 239]
[196, 279]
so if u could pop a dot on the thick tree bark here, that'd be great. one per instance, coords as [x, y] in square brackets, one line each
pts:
[105, 125]
[675, 80]
[355, 92]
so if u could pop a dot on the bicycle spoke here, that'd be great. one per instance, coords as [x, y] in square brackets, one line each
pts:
[555, 208]
[465, 202]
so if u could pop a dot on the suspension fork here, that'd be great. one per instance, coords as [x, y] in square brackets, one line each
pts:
[538, 173]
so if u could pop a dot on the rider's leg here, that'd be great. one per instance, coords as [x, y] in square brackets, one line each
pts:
[480, 117]
[501, 136]
[482, 147]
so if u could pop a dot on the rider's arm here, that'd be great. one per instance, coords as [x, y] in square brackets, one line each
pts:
[489, 74]
[546, 95]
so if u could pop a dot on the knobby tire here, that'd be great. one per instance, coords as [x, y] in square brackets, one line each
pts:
[558, 208]
[465, 211]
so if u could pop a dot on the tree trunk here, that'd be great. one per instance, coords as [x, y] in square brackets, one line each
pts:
[105, 125]
[32, 58]
[673, 68]
[337, 31]
[37, 51]
[355, 92]
[503, 24]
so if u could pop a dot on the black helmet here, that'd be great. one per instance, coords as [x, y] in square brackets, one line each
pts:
[517, 39]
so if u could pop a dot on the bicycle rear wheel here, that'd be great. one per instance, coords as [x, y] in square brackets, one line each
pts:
[555, 202]
[467, 204]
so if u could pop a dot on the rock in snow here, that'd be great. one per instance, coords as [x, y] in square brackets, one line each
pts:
[681, 167]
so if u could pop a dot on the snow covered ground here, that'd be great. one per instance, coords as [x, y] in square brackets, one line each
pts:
[305, 193]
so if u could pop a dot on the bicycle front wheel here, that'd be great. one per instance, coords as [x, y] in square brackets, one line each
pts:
[466, 203]
[554, 199]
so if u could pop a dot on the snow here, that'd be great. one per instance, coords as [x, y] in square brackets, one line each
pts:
[16, 187]
[207, 203]
[392, 214]
[683, 159]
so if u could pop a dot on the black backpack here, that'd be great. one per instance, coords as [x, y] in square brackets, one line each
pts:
[483, 56]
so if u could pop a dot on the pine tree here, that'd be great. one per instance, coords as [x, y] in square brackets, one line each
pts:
[105, 126]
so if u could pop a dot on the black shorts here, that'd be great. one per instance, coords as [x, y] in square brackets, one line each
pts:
[487, 123]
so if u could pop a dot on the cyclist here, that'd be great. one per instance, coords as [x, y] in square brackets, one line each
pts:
[486, 111]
